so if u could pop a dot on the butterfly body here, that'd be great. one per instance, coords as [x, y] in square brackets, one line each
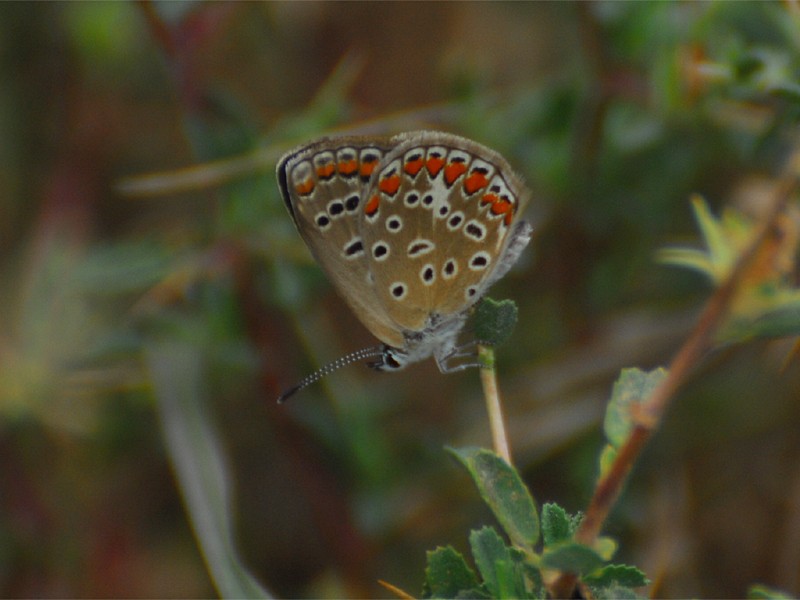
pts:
[411, 230]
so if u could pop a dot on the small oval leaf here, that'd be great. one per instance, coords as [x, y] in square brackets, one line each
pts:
[502, 489]
[631, 388]
[571, 557]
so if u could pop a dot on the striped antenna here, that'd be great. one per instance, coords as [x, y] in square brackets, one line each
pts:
[347, 359]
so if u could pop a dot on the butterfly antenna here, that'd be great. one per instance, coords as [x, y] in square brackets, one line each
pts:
[337, 364]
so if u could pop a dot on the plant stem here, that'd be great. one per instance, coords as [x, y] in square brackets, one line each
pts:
[491, 395]
[652, 408]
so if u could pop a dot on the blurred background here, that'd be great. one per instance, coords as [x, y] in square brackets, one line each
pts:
[155, 298]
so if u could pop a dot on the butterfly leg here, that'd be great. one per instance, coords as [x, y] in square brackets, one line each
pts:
[468, 350]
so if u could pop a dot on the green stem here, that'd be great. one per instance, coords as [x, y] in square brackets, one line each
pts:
[491, 395]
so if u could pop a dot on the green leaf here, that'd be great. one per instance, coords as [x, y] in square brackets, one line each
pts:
[510, 580]
[605, 547]
[633, 386]
[571, 557]
[502, 489]
[776, 315]
[472, 594]
[557, 526]
[760, 591]
[720, 247]
[447, 574]
[622, 575]
[616, 592]
[494, 321]
[768, 306]
[505, 570]
[489, 551]
[529, 580]
[724, 240]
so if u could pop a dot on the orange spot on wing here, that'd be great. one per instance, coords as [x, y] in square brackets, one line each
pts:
[490, 199]
[475, 182]
[371, 207]
[348, 167]
[509, 217]
[501, 207]
[434, 165]
[305, 188]
[453, 171]
[325, 171]
[390, 184]
[413, 167]
[367, 168]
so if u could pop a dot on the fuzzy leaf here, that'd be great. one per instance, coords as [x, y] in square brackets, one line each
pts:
[557, 526]
[532, 584]
[447, 574]
[510, 580]
[494, 321]
[505, 571]
[622, 575]
[632, 386]
[502, 489]
[616, 592]
[488, 550]
[571, 557]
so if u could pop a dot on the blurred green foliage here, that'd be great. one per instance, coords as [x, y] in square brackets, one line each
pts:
[614, 113]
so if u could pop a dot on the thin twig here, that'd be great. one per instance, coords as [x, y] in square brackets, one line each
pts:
[652, 409]
[198, 177]
[400, 593]
[491, 395]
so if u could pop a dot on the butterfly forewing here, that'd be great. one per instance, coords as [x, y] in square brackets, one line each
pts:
[322, 185]
[438, 214]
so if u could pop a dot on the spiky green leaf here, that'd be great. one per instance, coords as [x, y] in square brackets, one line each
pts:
[447, 574]
[557, 525]
[622, 575]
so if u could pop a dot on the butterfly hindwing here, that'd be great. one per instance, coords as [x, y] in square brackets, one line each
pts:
[438, 219]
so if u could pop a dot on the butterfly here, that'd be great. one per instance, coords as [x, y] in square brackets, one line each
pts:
[411, 230]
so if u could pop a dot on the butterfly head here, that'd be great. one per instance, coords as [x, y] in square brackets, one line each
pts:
[390, 359]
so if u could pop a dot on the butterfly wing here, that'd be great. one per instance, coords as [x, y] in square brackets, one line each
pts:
[440, 223]
[321, 185]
